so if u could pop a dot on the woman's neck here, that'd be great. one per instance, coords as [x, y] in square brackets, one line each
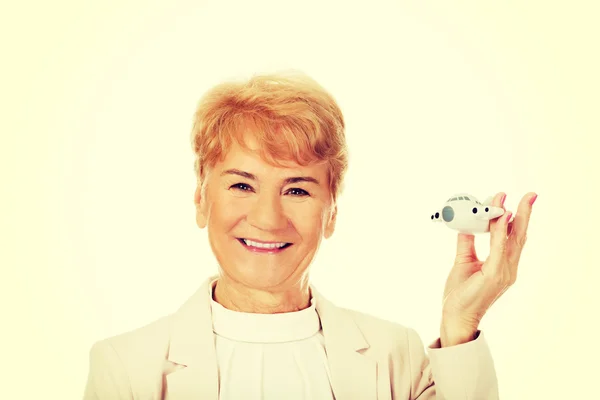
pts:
[237, 297]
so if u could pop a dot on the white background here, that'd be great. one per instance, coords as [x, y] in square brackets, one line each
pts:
[98, 231]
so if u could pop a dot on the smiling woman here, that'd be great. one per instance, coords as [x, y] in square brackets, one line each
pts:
[271, 156]
[270, 160]
[265, 223]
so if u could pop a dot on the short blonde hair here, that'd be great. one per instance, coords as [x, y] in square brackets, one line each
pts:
[291, 116]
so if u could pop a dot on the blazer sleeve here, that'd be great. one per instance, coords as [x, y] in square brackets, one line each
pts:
[461, 372]
[107, 377]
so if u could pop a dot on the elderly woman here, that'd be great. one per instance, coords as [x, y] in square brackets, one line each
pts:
[270, 161]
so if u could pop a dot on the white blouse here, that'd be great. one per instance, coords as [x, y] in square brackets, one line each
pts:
[270, 356]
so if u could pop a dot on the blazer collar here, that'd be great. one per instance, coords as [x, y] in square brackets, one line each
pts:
[192, 348]
[353, 373]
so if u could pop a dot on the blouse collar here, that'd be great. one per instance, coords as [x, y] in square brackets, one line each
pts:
[264, 328]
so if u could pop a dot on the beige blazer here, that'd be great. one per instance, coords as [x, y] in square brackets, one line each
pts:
[174, 358]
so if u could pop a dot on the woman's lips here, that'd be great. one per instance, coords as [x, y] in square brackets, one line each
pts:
[256, 247]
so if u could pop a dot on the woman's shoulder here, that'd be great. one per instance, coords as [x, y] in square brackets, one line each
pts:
[384, 332]
[129, 360]
[147, 342]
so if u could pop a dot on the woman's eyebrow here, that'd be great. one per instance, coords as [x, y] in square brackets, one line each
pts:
[287, 181]
[297, 179]
[244, 174]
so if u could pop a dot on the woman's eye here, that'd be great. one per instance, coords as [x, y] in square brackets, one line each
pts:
[298, 192]
[241, 186]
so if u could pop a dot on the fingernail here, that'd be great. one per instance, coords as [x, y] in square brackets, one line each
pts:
[533, 200]
[503, 198]
[508, 215]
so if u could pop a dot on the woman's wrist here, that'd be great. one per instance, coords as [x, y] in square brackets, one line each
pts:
[454, 333]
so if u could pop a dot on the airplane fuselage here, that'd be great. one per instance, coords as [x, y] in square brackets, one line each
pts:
[465, 214]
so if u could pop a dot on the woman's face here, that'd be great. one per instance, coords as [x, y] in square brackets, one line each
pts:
[252, 209]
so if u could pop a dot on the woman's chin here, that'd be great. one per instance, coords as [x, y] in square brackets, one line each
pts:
[262, 277]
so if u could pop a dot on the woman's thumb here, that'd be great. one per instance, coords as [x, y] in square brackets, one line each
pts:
[465, 247]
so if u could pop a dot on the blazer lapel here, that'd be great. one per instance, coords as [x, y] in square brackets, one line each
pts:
[192, 349]
[193, 356]
[353, 374]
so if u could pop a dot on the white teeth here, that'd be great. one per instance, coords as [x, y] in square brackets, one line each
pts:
[264, 245]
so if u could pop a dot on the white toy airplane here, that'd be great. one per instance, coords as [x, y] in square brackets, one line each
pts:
[464, 213]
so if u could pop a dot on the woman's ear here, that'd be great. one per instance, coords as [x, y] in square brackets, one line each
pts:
[200, 202]
[330, 226]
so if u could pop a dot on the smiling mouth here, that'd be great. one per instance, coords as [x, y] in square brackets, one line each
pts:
[271, 247]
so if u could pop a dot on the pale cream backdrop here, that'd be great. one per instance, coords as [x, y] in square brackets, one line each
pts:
[98, 232]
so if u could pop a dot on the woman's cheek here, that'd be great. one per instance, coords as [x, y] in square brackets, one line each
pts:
[307, 218]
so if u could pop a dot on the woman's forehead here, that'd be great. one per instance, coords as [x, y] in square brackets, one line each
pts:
[237, 156]
[252, 162]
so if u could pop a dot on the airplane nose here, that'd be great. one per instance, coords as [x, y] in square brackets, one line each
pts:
[448, 213]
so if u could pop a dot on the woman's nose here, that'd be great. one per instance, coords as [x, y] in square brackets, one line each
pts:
[267, 214]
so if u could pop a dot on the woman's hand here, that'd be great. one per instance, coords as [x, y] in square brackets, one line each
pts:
[473, 286]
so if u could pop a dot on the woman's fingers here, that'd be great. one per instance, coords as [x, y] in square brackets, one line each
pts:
[518, 236]
[497, 258]
[497, 202]
[465, 248]
[498, 238]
